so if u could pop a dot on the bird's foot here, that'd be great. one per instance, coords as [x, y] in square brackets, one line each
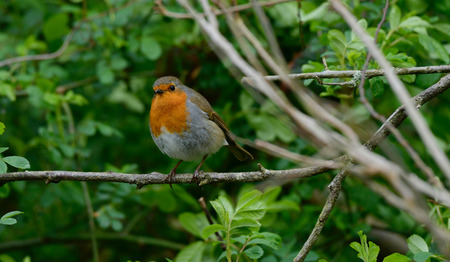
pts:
[169, 178]
[195, 177]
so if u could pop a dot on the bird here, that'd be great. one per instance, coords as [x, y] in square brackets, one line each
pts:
[185, 127]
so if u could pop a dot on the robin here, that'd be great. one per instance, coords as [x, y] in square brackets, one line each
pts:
[184, 126]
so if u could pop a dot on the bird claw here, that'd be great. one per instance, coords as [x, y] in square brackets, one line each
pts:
[169, 177]
[195, 177]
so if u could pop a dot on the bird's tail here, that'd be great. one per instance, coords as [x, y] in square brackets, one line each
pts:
[240, 153]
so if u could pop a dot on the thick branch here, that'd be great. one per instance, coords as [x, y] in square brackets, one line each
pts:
[158, 178]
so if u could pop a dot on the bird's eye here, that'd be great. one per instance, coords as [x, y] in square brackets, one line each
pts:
[172, 88]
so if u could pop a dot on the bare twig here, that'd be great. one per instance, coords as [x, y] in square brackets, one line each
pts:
[399, 89]
[163, 10]
[369, 73]
[395, 120]
[142, 240]
[419, 162]
[335, 188]
[210, 221]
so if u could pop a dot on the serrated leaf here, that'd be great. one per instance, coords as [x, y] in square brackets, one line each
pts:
[254, 252]
[220, 210]
[151, 48]
[191, 253]
[376, 86]
[396, 257]
[416, 244]
[211, 229]
[248, 199]
[244, 222]
[224, 254]
[228, 208]
[2, 128]
[266, 238]
[17, 161]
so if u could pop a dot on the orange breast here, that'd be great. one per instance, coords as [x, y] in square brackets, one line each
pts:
[169, 110]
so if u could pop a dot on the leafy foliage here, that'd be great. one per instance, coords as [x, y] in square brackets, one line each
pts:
[239, 225]
[87, 110]
[418, 248]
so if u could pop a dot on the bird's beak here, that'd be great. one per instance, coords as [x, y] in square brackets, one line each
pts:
[159, 91]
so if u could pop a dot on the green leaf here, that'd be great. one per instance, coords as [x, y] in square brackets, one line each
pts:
[104, 73]
[266, 238]
[151, 48]
[7, 218]
[211, 229]
[56, 26]
[248, 199]
[338, 42]
[17, 161]
[220, 210]
[434, 48]
[376, 86]
[443, 28]
[130, 100]
[228, 208]
[2, 128]
[416, 244]
[414, 22]
[396, 257]
[3, 149]
[245, 101]
[3, 167]
[395, 15]
[254, 252]
[8, 91]
[244, 222]
[194, 223]
[422, 256]
[191, 253]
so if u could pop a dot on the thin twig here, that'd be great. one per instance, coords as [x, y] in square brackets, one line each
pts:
[395, 120]
[416, 158]
[399, 89]
[90, 212]
[210, 221]
[164, 11]
[369, 73]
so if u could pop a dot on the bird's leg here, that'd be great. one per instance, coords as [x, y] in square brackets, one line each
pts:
[195, 176]
[172, 174]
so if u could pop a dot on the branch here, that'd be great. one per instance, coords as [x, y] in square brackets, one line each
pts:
[157, 178]
[164, 11]
[368, 74]
[398, 88]
[213, 177]
[142, 240]
[395, 120]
